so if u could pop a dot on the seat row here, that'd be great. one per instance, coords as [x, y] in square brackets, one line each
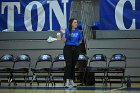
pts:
[49, 69]
[10, 67]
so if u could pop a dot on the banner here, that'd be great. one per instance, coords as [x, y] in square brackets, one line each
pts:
[34, 15]
[119, 14]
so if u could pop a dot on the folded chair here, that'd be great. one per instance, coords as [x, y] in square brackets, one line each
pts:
[21, 67]
[6, 64]
[97, 66]
[116, 68]
[42, 68]
[58, 68]
[81, 67]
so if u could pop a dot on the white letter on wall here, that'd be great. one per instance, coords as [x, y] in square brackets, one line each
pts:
[54, 6]
[41, 16]
[10, 12]
[119, 15]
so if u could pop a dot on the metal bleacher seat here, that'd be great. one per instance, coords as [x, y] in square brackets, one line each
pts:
[97, 66]
[42, 68]
[21, 68]
[116, 68]
[58, 68]
[6, 64]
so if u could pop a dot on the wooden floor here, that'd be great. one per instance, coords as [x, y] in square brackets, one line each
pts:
[65, 91]
[98, 88]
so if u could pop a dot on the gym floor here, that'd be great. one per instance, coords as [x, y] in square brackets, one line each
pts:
[59, 88]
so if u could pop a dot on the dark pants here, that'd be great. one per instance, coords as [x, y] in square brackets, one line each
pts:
[71, 54]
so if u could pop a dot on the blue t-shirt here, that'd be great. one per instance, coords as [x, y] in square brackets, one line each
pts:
[74, 37]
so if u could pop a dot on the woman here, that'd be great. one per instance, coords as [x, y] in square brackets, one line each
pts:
[72, 38]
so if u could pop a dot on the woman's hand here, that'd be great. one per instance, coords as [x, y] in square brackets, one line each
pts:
[63, 34]
[63, 38]
[62, 30]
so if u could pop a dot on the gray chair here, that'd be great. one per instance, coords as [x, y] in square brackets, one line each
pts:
[21, 68]
[116, 68]
[97, 66]
[42, 68]
[58, 68]
[6, 64]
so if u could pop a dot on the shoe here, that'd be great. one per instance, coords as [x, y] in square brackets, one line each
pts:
[73, 84]
[67, 85]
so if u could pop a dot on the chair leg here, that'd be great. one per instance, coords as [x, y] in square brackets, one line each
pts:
[122, 81]
[52, 80]
[106, 78]
[110, 82]
[15, 84]
[10, 79]
[25, 78]
[103, 81]
[47, 84]
[33, 78]
[84, 76]
[37, 82]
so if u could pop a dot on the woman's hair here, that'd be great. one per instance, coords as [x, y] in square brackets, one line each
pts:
[70, 24]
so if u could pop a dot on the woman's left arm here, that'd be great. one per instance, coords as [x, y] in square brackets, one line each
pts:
[80, 37]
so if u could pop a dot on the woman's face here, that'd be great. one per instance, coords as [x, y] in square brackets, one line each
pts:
[74, 24]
